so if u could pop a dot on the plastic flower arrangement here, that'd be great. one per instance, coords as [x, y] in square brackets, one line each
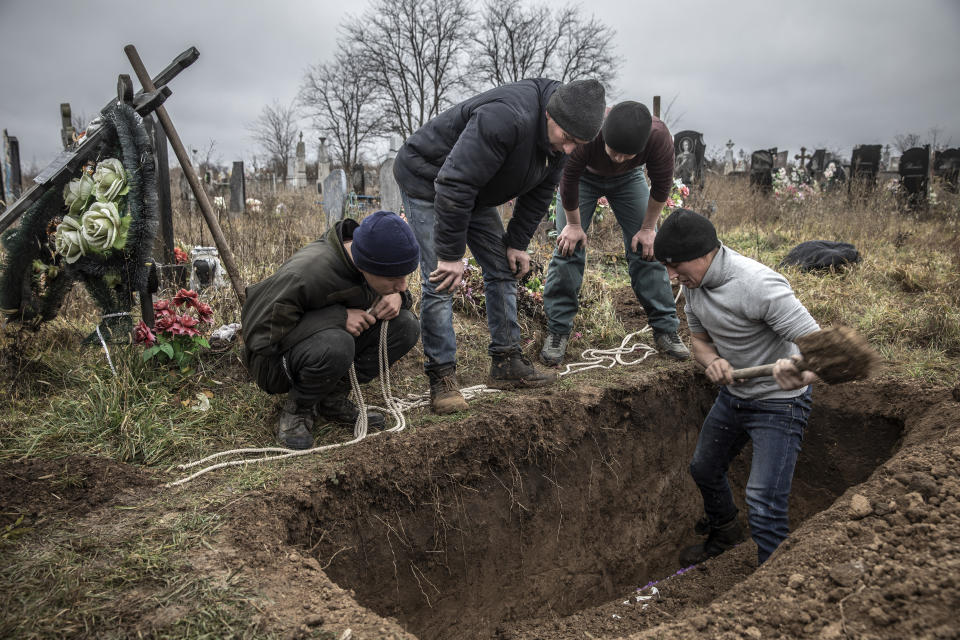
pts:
[794, 187]
[678, 191]
[176, 332]
[97, 220]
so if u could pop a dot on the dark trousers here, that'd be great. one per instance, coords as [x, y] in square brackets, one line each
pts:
[318, 366]
[776, 429]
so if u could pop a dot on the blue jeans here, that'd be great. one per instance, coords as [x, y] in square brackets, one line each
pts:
[628, 195]
[485, 239]
[776, 429]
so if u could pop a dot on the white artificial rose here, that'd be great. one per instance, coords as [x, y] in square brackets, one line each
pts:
[110, 180]
[103, 228]
[77, 193]
[69, 240]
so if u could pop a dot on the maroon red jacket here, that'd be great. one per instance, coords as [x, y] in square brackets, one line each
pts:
[657, 155]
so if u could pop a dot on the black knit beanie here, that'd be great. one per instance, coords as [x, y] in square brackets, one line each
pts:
[578, 108]
[627, 127]
[384, 245]
[684, 235]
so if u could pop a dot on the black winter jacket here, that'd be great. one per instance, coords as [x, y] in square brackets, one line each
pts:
[484, 152]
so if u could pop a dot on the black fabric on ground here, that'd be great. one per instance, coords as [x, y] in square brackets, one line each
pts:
[821, 254]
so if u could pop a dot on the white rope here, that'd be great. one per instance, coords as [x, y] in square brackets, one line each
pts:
[396, 407]
[103, 342]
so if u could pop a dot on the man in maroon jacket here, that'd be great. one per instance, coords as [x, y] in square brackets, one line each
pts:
[611, 166]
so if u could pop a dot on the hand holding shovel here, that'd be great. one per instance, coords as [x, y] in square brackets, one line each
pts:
[835, 354]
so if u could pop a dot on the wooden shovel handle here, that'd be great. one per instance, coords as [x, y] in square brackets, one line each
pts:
[761, 371]
[753, 372]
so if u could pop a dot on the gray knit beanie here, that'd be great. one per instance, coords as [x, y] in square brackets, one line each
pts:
[578, 108]
[627, 127]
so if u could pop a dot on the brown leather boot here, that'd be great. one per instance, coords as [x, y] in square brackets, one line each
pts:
[445, 396]
[513, 370]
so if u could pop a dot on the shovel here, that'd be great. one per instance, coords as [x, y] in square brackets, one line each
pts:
[835, 354]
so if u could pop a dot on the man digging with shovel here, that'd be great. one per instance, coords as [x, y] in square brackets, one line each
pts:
[740, 313]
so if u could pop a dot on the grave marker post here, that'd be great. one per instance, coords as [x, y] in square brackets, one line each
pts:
[238, 188]
[11, 168]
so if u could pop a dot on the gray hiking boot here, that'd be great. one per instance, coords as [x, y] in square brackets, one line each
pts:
[294, 425]
[553, 349]
[671, 345]
[719, 539]
[513, 370]
[340, 409]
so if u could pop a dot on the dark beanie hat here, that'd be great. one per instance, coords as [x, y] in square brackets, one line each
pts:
[578, 108]
[684, 235]
[384, 245]
[627, 127]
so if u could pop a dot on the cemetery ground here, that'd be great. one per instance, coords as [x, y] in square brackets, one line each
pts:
[538, 514]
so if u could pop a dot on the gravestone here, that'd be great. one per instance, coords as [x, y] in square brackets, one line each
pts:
[390, 199]
[885, 159]
[729, 164]
[335, 196]
[894, 164]
[67, 132]
[238, 188]
[11, 168]
[358, 179]
[946, 166]
[914, 175]
[323, 165]
[818, 162]
[688, 148]
[761, 169]
[865, 164]
[300, 165]
[780, 160]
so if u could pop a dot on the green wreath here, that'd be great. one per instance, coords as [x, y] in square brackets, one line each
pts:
[98, 229]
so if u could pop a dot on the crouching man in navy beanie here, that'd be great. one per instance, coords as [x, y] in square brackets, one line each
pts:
[321, 312]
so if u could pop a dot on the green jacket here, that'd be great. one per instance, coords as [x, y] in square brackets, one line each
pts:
[310, 292]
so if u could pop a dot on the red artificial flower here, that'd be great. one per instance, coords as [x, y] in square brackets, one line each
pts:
[164, 322]
[205, 311]
[185, 297]
[144, 335]
[180, 256]
[179, 329]
[161, 305]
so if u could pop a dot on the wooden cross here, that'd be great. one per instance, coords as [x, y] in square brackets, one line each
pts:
[802, 157]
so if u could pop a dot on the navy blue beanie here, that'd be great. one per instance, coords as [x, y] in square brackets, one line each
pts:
[384, 245]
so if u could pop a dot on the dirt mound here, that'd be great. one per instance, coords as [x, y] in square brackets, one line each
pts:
[67, 487]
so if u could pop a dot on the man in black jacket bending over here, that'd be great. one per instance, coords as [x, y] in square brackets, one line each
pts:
[509, 142]
[321, 312]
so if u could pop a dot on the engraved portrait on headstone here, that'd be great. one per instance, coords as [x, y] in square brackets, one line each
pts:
[688, 157]
[946, 166]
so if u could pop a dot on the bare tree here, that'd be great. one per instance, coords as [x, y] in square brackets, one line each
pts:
[514, 41]
[904, 141]
[275, 131]
[412, 52]
[342, 103]
[671, 118]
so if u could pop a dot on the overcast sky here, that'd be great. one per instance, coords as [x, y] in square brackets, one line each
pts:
[817, 73]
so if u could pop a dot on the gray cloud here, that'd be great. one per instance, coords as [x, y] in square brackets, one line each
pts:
[762, 73]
